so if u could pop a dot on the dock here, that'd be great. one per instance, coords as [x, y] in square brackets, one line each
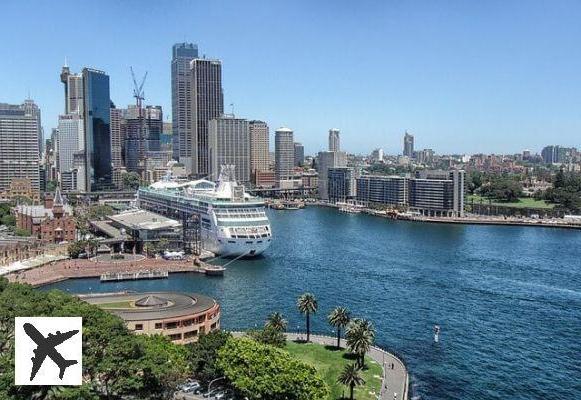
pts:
[133, 275]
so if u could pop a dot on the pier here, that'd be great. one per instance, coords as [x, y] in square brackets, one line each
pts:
[133, 276]
[81, 268]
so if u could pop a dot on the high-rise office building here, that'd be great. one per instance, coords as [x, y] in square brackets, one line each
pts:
[259, 142]
[299, 154]
[408, 145]
[141, 130]
[229, 144]
[70, 140]
[334, 140]
[73, 85]
[117, 138]
[326, 160]
[181, 96]
[207, 103]
[19, 144]
[97, 118]
[284, 153]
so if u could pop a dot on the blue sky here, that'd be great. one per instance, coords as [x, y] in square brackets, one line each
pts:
[462, 76]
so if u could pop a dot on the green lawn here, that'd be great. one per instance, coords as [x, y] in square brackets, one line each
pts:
[330, 362]
[118, 304]
[523, 202]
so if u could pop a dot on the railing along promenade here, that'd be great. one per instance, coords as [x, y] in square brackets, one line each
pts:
[395, 382]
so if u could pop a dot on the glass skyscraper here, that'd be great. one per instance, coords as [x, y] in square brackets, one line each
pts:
[97, 105]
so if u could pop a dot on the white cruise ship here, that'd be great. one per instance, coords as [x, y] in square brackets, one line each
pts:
[232, 222]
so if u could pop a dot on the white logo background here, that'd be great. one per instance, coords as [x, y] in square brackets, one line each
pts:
[70, 349]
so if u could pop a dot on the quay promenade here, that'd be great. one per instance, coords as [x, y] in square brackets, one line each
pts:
[395, 382]
[72, 269]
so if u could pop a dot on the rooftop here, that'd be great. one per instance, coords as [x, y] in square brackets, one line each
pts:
[142, 219]
[151, 306]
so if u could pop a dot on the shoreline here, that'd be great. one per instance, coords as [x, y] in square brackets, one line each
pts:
[82, 269]
[499, 221]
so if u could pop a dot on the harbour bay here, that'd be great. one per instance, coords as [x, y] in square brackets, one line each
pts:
[508, 299]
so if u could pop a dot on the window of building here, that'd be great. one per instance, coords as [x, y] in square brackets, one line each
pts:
[138, 327]
[158, 325]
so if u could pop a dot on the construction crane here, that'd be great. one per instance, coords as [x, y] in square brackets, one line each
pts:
[139, 95]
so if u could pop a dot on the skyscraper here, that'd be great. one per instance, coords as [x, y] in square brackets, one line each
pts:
[70, 141]
[97, 117]
[207, 103]
[19, 149]
[259, 156]
[117, 138]
[408, 145]
[299, 154]
[181, 95]
[284, 153]
[73, 85]
[334, 140]
[229, 144]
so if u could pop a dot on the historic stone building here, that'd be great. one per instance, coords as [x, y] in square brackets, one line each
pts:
[52, 222]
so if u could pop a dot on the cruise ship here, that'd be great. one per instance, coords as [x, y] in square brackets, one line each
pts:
[232, 222]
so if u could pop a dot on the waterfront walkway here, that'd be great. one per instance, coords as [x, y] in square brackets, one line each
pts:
[80, 268]
[395, 380]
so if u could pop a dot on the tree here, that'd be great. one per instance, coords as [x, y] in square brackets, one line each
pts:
[307, 304]
[350, 377]
[276, 321]
[360, 336]
[268, 335]
[76, 248]
[116, 363]
[259, 371]
[203, 354]
[339, 318]
[131, 180]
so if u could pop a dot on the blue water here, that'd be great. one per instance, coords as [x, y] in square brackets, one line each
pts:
[508, 299]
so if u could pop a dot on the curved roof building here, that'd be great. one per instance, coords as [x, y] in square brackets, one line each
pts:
[179, 316]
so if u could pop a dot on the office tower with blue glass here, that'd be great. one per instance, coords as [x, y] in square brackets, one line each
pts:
[97, 109]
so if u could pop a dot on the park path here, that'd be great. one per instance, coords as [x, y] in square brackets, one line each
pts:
[395, 380]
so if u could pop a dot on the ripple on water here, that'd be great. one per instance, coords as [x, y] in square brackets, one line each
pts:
[507, 298]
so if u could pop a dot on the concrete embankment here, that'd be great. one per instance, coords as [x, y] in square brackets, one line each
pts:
[76, 269]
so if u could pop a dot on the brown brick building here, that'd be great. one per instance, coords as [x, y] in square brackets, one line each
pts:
[52, 222]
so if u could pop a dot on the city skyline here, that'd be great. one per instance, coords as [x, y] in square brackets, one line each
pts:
[478, 95]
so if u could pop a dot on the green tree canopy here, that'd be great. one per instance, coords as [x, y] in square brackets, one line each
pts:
[116, 363]
[204, 352]
[260, 371]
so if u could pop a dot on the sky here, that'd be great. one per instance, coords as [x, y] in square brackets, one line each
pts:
[462, 76]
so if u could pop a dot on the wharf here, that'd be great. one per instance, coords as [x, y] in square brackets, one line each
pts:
[133, 276]
[80, 269]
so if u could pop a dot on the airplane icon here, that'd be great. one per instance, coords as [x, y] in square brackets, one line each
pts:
[46, 348]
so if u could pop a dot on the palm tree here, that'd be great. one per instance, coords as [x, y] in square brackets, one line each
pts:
[339, 318]
[276, 322]
[350, 377]
[360, 335]
[307, 304]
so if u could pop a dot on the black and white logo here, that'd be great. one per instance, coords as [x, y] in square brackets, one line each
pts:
[48, 350]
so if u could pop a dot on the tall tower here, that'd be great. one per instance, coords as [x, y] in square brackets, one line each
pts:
[334, 140]
[97, 118]
[284, 153]
[408, 145]
[229, 144]
[73, 84]
[259, 143]
[19, 132]
[207, 103]
[181, 96]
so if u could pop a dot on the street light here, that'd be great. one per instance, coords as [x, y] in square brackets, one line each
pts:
[210, 385]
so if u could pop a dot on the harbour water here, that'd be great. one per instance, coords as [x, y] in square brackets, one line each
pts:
[507, 299]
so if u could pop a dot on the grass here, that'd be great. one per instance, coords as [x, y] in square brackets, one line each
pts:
[523, 202]
[329, 362]
[118, 304]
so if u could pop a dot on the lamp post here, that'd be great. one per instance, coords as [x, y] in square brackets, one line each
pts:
[210, 385]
